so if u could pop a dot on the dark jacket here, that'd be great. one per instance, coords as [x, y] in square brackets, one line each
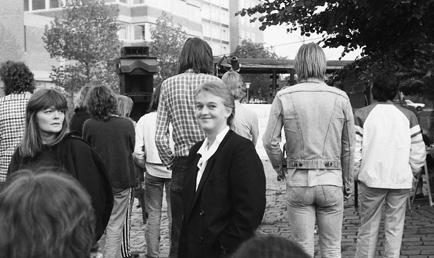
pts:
[77, 121]
[77, 158]
[229, 204]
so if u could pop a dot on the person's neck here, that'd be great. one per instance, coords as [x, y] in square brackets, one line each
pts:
[48, 138]
[212, 136]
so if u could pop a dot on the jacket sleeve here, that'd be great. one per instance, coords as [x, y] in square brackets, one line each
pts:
[418, 150]
[348, 148]
[247, 188]
[272, 136]
[80, 159]
[162, 134]
[139, 147]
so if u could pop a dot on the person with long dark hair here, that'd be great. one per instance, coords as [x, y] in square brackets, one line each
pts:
[47, 144]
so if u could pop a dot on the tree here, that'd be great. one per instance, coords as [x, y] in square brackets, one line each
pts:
[168, 39]
[260, 83]
[85, 42]
[395, 36]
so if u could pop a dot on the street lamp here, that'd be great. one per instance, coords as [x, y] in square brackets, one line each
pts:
[248, 87]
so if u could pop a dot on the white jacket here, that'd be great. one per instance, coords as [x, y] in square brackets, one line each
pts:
[389, 146]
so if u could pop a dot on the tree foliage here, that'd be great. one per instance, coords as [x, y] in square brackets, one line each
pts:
[260, 83]
[394, 35]
[168, 39]
[86, 43]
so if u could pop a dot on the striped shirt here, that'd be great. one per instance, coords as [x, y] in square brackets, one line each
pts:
[12, 116]
[177, 107]
[389, 146]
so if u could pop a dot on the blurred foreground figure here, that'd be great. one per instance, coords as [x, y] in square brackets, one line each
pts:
[47, 215]
[270, 246]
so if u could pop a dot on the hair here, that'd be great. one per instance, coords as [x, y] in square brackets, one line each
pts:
[235, 83]
[40, 100]
[79, 100]
[384, 87]
[45, 215]
[310, 62]
[221, 90]
[17, 77]
[269, 246]
[101, 102]
[196, 54]
[125, 105]
[153, 106]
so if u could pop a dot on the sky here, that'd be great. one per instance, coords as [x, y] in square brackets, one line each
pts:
[286, 44]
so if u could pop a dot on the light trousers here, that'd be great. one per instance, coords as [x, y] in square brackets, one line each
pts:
[372, 203]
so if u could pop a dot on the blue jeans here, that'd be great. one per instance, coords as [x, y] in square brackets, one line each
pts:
[325, 204]
[154, 201]
[372, 203]
[115, 225]
[178, 171]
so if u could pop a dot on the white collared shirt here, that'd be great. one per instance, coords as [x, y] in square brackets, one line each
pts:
[206, 153]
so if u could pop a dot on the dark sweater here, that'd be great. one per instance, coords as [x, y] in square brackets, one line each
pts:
[77, 158]
[114, 141]
[77, 121]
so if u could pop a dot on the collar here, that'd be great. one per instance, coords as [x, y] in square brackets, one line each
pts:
[207, 151]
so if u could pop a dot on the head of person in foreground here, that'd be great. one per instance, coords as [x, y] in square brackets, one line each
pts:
[45, 215]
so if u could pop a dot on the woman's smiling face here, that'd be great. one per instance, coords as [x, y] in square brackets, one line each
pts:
[211, 113]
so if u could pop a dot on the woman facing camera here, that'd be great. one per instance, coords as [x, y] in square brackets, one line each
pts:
[46, 215]
[47, 145]
[224, 186]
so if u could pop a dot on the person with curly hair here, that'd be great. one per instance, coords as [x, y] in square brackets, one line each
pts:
[18, 88]
[47, 144]
[53, 217]
[113, 138]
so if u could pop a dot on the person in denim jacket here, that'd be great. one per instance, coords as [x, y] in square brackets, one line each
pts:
[319, 130]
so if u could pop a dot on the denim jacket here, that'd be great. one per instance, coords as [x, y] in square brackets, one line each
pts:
[318, 126]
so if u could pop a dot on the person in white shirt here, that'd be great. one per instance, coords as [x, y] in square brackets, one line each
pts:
[157, 175]
[389, 151]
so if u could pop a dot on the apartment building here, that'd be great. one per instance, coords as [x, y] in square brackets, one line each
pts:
[23, 23]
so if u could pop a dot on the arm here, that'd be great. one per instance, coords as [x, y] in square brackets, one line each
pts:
[272, 136]
[139, 148]
[162, 133]
[417, 151]
[247, 188]
[348, 147]
[358, 127]
[255, 130]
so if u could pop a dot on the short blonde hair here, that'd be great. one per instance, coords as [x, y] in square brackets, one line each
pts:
[235, 82]
[310, 62]
[125, 105]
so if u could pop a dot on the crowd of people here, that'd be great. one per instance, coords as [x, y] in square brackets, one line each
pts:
[67, 189]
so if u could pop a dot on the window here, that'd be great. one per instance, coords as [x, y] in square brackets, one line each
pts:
[26, 5]
[139, 32]
[206, 30]
[139, 2]
[225, 34]
[56, 3]
[123, 1]
[123, 31]
[38, 4]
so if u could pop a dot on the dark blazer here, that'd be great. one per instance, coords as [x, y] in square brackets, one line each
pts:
[229, 204]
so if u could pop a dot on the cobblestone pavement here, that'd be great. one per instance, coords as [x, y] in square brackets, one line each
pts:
[418, 239]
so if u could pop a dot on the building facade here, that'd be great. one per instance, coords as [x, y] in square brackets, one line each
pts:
[22, 24]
